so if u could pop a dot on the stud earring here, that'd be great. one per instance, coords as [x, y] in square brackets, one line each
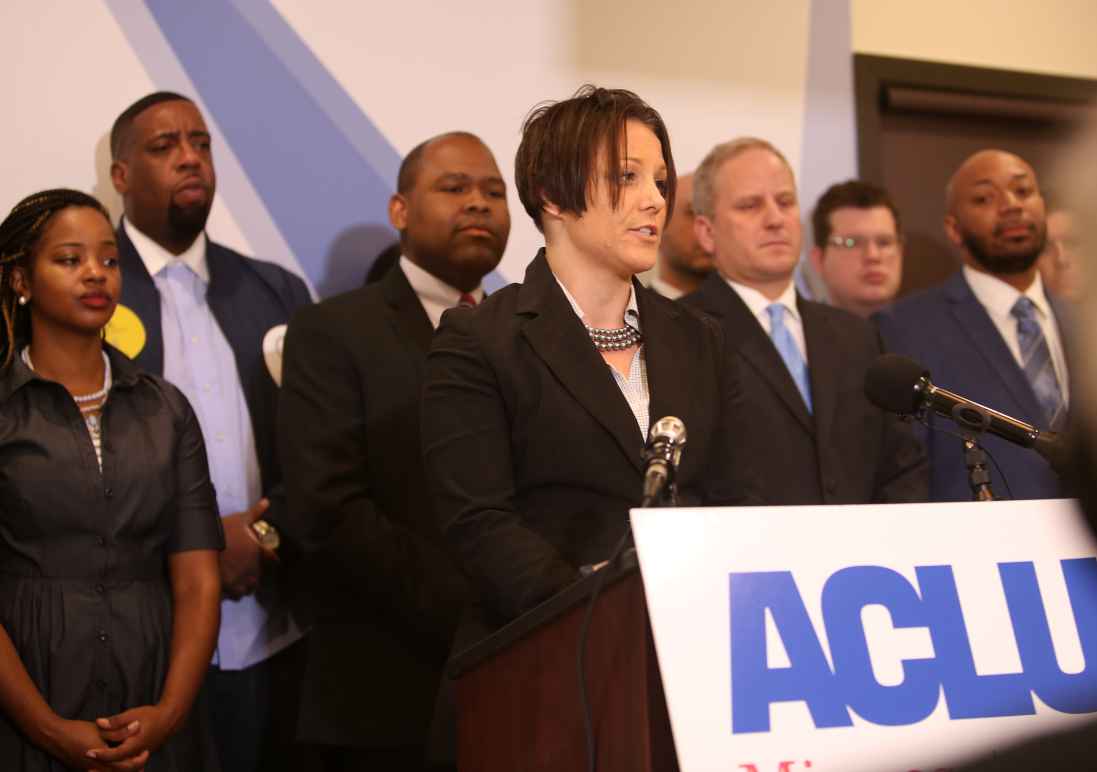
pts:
[22, 300]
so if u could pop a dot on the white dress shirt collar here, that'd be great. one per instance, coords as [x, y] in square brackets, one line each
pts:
[435, 295]
[758, 303]
[665, 288]
[632, 311]
[998, 297]
[156, 258]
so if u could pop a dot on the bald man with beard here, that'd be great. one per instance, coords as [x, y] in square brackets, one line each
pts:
[990, 332]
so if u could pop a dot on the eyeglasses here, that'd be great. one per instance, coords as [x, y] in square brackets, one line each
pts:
[860, 243]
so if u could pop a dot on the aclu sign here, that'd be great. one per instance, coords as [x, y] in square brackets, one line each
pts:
[830, 692]
[871, 637]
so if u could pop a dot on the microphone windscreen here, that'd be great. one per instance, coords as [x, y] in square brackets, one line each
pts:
[669, 429]
[891, 383]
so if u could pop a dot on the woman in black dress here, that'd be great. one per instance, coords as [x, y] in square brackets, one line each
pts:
[537, 403]
[109, 586]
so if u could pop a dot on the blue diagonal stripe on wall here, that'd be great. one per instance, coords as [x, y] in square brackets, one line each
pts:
[291, 125]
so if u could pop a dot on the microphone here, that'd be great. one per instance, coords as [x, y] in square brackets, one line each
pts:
[661, 456]
[901, 385]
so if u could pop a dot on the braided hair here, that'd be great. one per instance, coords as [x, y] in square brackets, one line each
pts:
[19, 235]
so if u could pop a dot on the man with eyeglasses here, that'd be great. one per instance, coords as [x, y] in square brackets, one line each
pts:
[858, 248]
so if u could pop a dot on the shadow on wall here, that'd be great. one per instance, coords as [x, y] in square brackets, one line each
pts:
[350, 256]
[696, 40]
[927, 259]
[104, 188]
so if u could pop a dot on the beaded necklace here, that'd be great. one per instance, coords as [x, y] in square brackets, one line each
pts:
[90, 405]
[609, 339]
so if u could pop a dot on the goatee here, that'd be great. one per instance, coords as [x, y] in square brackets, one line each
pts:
[998, 263]
[186, 223]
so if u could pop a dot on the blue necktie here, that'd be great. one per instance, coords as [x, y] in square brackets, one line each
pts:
[1036, 360]
[789, 351]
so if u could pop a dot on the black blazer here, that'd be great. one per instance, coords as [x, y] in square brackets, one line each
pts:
[385, 595]
[846, 451]
[948, 331]
[534, 454]
[247, 298]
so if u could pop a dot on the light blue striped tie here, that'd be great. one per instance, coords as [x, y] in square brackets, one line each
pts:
[1036, 360]
[789, 351]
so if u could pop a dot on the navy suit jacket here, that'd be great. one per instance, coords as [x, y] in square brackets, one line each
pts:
[948, 331]
[247, 298]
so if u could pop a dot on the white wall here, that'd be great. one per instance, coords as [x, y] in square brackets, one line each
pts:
[432, 67]
[714, 69]
[1057, 37]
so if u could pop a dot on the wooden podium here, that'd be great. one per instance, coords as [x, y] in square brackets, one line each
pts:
[518, 703]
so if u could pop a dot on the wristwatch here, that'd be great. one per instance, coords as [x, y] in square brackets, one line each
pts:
[266, 534]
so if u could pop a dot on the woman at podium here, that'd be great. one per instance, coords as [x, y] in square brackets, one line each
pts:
[537, 403]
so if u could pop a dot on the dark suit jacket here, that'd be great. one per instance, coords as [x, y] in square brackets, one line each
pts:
[846, 451]
[533, 452]
[948, 331]
[247, 298]
[385, 594]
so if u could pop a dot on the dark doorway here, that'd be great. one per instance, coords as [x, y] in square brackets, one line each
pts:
[916, 121]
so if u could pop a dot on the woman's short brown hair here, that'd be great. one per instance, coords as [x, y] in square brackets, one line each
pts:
[562, 141]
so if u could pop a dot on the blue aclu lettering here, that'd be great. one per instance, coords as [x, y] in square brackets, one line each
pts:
[830, 690]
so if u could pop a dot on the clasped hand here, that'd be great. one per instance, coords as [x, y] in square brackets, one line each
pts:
[136, 733]
[243, 558]
[121, 743]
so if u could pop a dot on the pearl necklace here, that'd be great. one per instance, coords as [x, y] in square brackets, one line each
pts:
[82, 399]
[608, 339]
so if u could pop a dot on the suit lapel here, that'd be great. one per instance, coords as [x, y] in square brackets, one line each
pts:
[745, 334]
[140, 295]
[974, 321]
[826, 368]
[223, 297]
[557, 336]
[1066, 317]
[406, 311]
[667, 363]
[1067, 323]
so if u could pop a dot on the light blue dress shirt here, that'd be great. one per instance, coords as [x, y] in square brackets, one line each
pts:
[199, 360]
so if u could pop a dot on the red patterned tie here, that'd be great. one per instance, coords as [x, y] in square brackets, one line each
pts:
[466, 301]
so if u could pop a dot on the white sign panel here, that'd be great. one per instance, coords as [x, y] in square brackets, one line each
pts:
[839, 639]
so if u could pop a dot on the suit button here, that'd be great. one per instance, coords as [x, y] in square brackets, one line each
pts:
[100, 589]
[100, 541]
[108, 492]
[830, 486]
[103, 637]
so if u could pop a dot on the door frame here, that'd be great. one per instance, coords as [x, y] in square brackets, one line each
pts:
[873, 75]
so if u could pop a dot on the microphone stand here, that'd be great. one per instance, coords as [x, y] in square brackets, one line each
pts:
[667, 497]
[972, 423]
[976, 459]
